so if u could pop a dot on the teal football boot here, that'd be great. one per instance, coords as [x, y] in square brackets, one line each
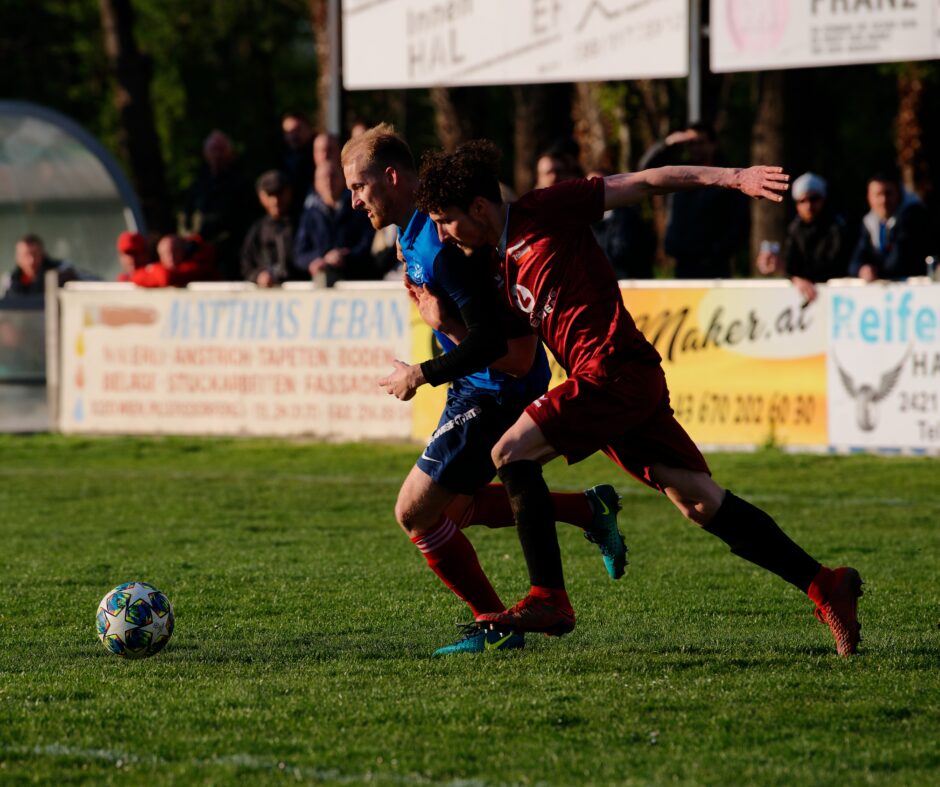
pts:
[603, 532]
[476, 638]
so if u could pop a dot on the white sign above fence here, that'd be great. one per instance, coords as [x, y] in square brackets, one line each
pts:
[422, 43]
[753, 35]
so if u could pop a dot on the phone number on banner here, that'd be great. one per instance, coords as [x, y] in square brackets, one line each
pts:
[711, 407]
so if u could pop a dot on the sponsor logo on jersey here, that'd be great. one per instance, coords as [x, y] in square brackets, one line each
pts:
[523, 298]
[518, 251]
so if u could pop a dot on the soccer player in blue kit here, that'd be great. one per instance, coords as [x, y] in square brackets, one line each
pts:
[448, 488]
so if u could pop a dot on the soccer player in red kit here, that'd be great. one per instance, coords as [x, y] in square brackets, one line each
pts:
[615, 399]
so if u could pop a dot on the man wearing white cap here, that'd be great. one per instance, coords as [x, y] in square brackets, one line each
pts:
[816, 247]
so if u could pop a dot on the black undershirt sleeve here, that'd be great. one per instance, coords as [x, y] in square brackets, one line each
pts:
[468, 283]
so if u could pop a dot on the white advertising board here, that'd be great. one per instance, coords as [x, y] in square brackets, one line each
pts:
[755, 35]
[254, 362]
[422, 43]
[883, 370]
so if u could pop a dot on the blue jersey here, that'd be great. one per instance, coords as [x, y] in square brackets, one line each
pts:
[430, 262]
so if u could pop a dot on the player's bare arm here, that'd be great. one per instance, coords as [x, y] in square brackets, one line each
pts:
[760, 182]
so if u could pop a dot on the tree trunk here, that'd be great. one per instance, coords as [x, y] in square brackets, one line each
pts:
[318, 10]
[768, 219]
[910, 131]
[542, 116]
[450, 119]
[137, 134]
[653, 124]
[589, 129]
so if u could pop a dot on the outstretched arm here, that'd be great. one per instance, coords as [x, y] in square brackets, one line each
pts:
[759, 182]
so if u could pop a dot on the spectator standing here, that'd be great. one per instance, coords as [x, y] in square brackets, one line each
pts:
[706, 228]
[221, 204]
[298, 155]
[268, 250]
[325, 148]
[626, 239]
[894, 240]
[133, 254]
[556, 164]
[333, 240]
[32, 265]
[817, 246]
[180, 261]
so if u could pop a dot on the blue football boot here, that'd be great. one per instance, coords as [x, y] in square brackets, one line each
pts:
[476, 638]
[605, 502]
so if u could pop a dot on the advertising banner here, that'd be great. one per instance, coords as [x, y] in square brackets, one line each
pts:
[255, 362]
[755, 35]
[745, 363]
[884, 367]
[423, 43]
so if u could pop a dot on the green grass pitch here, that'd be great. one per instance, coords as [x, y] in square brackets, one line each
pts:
[305, 623]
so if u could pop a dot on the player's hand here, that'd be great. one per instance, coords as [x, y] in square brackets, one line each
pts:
[410, 287]
[432, 311]
[404, 381]
[763, 182]
[398, 252]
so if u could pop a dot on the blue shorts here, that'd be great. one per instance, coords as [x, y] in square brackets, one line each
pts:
[458, 454]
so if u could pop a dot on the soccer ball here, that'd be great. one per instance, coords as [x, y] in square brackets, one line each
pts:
[135, 620]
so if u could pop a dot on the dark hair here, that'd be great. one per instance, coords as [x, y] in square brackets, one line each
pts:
[31, 239]
[456, 179]
[886, 175]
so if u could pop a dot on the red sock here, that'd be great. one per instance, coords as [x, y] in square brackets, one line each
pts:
[821, 585]
[557, 596]
[490, 507]
[452, 557]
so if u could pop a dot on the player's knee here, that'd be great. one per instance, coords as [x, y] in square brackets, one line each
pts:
[699, 510]
[501, 453]
[407, 517]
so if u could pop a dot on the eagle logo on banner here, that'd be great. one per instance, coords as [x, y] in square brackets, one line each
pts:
[866, 396]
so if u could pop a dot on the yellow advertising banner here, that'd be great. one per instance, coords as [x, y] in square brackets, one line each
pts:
[745, 361]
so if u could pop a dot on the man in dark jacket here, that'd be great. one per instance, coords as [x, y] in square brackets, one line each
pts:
[32, 264]
[220, 205]
[706, 228]
[817, 246]
[333, 240]
[894, 241]
[268, 250]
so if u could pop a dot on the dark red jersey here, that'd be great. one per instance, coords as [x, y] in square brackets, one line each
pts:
[558, 277]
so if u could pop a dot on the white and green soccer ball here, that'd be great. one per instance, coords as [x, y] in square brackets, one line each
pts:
[135, 620]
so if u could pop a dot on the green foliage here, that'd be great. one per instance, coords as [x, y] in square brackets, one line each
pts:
[305, 620]
[233, 66]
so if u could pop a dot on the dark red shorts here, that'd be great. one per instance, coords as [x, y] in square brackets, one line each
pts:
[628, 417]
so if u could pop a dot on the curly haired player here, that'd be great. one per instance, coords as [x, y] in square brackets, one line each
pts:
[448, 488]
[615, 399]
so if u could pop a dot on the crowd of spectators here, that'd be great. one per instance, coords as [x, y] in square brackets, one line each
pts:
[296, 223]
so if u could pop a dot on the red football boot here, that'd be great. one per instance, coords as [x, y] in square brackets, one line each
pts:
[536, 612]
[836, 593]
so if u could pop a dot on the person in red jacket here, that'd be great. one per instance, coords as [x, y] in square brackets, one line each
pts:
[133, 254]
[180, 262]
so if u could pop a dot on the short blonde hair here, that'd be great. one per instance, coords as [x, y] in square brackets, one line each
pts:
[380, 146]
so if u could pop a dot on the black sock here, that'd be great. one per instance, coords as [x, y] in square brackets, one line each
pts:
[534, 512]
[753, 535]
